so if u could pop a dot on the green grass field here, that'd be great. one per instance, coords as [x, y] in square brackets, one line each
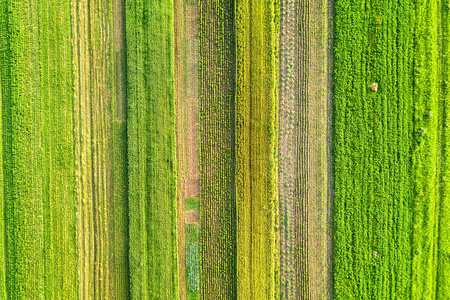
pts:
[89, 134]
[38, 196]
[373, 140]
[257, 33]
[151, 150]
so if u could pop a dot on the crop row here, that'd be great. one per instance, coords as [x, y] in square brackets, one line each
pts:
[257, 39]
[216, 130]
[293, 224]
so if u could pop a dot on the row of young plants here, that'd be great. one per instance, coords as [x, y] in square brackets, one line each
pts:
[216, 132]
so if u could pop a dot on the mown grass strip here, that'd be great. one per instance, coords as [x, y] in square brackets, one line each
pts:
[216, 134]
[257, 36]
[58, 161]
[426, 151]
[372, 149]
[151, 150]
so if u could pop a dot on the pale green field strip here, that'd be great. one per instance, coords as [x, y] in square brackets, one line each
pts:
[152, 150]
[443, 267]
[426, 162]
[216, 136]
[294, 277]
[101, 149]
[372, 150]
[318, 148]
[257, 38]
[39, 190]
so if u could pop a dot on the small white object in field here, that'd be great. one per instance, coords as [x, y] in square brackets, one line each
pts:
[374, 87]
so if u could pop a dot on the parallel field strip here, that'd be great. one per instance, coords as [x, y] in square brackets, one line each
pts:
[39, 188]
[192, 228]
[443, 267]
[100, 150]
[426, 161]
[179, 52]
[257, 40]
[317, 107]
[292, 134]
[4, 81]
[373, 140]
[152, 173]
[216, 135]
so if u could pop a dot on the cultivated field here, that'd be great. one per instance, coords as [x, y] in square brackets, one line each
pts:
[257, 33]
[304, 150]
[217, 140]
[152, 176]
[220, 149]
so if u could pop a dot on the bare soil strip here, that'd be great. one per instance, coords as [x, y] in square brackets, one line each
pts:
[292, 139]
[305, 149]
[181, 140]
[319, 149]
[186, 84]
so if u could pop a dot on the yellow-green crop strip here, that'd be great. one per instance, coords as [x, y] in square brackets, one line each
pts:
[152, 161]
[257, 36]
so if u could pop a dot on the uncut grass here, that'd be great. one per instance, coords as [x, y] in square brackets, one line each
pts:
[257, 25]
[216, 135]
[39, 186]
[443, 267]
[152, 162]
[372, 150]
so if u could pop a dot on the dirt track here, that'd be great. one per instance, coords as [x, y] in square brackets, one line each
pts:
[186, 84]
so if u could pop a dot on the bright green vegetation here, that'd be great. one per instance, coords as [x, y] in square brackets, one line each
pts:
[193, 260]
[192, 203]
[38, 159]
[257, 37]
[426, 162]
[443, 270]
[151, 150]
[216, 136]
[373, 140]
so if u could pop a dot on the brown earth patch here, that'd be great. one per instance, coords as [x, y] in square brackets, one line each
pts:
[192, 188]
[186, 85]
[192, 216]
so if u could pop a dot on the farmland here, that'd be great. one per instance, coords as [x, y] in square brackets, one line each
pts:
[220, 149]
[152, 164]
[256, 149]
[217, 155]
